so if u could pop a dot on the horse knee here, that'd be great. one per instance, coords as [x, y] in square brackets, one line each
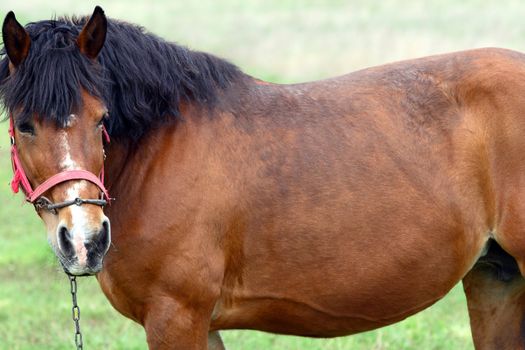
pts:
[169, 325]
[215, 341]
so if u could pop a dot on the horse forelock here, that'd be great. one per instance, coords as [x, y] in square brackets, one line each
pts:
[50, 80]
[141, 78]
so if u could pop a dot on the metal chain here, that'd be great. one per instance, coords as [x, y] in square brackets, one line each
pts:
[76, 312]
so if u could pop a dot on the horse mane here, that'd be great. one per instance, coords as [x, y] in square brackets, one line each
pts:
[141, 77]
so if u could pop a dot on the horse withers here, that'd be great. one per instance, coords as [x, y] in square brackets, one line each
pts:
[320, 209]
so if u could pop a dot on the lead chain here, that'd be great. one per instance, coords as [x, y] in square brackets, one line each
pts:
[75, 310]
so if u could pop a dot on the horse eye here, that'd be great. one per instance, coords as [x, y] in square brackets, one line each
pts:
[26, 128]
[104, 117]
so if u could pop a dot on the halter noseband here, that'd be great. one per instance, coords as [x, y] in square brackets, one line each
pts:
[36, 196]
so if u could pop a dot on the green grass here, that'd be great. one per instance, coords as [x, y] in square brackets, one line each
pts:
[277, 40]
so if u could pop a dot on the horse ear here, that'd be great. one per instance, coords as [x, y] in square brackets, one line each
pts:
[92, 37]
[16, 39]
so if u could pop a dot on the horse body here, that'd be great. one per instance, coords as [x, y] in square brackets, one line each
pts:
[317, 209]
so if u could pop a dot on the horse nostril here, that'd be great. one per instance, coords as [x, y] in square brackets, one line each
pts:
[64, 241]
[104, 237]
[98, 246]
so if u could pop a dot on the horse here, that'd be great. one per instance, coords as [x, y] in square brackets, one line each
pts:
[220, 201]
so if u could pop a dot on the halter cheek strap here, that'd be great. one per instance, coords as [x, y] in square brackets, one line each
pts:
[20, 178]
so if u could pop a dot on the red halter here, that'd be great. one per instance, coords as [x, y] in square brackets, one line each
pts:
[20, 178]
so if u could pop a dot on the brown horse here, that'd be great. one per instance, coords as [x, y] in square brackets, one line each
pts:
[318, 209]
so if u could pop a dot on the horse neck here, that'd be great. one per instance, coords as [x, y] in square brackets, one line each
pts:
[131, 165]
[127, 159]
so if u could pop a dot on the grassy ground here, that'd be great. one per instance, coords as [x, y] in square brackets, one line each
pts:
[277, 40]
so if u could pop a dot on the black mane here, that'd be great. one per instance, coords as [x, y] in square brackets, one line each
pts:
[141, 78]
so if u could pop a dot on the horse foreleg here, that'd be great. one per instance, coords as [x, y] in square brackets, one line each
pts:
[496, 304]
[215, 341]
[171, 325]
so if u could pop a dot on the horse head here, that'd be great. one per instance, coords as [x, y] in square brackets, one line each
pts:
[52, 92]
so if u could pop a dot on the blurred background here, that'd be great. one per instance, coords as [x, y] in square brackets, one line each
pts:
[282, 41]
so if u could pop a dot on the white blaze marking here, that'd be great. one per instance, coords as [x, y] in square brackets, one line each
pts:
[67, 162]
[71, 120]
[79, 216]
[80, 222]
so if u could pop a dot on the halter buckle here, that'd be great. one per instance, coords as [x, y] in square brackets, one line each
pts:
[44, 203]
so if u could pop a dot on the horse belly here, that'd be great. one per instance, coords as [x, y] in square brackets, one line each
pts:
[339, 287]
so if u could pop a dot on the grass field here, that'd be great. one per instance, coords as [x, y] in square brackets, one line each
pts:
[277, 40]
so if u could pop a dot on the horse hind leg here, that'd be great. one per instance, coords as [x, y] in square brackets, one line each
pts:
[495, 293]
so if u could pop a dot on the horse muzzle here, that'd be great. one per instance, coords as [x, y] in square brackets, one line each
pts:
[82, 252]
